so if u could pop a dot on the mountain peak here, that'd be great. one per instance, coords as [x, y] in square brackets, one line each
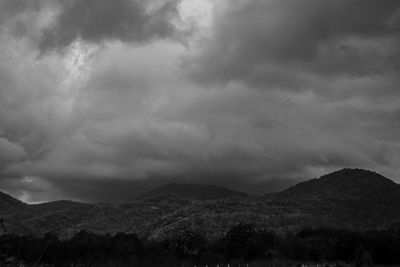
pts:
[355, 172]
[193, 191]
[357, 177]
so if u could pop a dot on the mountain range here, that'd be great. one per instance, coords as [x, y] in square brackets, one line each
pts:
[356, 199]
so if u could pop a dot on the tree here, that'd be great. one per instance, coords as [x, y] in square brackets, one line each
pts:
[247, 242]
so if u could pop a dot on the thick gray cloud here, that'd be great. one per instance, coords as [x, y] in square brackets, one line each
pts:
[263, 94]
[101, 20]
[10, 8]
[271, 44]
[10, 151]
[55, 25]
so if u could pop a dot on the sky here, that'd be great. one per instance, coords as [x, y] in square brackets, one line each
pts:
[101, 100]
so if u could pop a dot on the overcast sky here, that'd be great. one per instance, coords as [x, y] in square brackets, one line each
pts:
[100, 99]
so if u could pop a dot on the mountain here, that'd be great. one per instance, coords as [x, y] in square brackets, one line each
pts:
[15, 215]
[12, 212]
[194, 191]
[134, 216]
[349, 198]
[8, 203]
[346, 184]
[355, 199]
[54, 206]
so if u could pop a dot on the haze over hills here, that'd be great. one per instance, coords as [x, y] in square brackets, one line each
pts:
[350, 198]
[194, 191]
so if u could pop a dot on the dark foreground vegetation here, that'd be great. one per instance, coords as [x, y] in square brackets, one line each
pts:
[241, 244]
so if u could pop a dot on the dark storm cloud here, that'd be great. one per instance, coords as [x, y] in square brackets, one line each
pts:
[55, 25]
[286, 43]
[10, 152]
[97, 21]
[106, 122]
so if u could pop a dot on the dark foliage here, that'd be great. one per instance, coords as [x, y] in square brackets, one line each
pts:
[246, 242]
[242, 243]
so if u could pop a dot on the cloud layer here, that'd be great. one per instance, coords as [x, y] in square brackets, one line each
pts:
[101, 100]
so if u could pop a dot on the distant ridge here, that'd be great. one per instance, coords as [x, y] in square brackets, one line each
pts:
[11, 205]
[344, 184]
[194, 191]
[54, 206]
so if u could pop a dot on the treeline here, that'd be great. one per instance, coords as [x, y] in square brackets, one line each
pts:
[242, 243]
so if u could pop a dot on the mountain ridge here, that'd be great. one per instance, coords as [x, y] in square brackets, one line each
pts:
[53, 206]
[193, 191]
[354, 199]
[9, 203]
